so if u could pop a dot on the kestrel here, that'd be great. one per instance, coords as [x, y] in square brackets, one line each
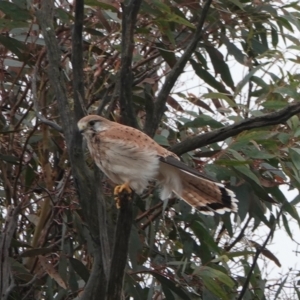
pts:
[131, 159]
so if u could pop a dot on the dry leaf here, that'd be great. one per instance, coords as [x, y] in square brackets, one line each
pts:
[48, 267]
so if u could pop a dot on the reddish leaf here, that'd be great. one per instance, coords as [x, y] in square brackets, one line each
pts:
[193, 99]
[174, 104]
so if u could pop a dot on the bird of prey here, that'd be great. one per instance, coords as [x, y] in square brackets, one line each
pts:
[131, 159]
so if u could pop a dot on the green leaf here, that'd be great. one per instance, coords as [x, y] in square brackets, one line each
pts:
[170, 284]
[36, 252]
[240, 253]
[19, 271]
[227, 162]
[19, 244]
[285, 23]
[165, 29]
[220, 96]
[238, 4]
[248, 173]
[203, 235]
[287, 90]
[10, 24]
[212, 278]
[214, 287]
[287, 206]
[220, 65]
[274, 104]
[9, 159]
[234, 50]
[167, 55]
[13, 45]
[294, 154]
[30, 174]
[220, 276]
[177, 19]
[291, 19]
[203, 120]
[14, 11]
[161, 140]
[80, 268]
[258, 154]
[274, 36]
[207, 77]
[102, 5]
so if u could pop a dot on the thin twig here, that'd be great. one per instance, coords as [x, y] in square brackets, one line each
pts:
[240, 236]
[152, 124]
[258, 252]
[149, 211]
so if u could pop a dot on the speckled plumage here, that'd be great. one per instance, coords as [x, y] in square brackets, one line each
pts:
[127, 155]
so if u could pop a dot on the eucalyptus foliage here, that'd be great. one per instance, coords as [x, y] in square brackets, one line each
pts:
[60, 227]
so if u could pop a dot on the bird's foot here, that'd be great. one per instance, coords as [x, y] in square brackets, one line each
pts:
[121, 192]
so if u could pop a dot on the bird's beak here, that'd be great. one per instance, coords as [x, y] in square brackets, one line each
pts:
[81, 128]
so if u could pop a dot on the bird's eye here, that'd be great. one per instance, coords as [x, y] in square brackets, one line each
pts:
[92, 123]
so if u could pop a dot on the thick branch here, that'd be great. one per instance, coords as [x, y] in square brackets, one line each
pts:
[7, 283]
[56, 75]
[129, 17]
[77, 60]
[84, 180]
[177, 70]
[119, 257]
[221, 134]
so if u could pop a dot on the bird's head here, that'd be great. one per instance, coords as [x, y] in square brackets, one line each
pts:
[92, 124]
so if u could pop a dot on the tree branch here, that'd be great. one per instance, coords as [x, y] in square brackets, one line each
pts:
[119, 257]
[176, 71]
[36, 105]
[77, 60]
[258, 252]
[223, 133]
[7, 283]
[84, 180]
[129, 17]
[240, 236]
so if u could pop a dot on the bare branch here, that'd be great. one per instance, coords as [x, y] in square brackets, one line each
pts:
[7, 283]
[258, 252]
[56, 74]
[36, 106]
[240, 236]
[119, 257]
[177, 70]
[77, 60]
[129, 17]
[84, 180]
[223, 133]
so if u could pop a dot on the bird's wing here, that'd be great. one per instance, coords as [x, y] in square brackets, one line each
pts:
[173, 161]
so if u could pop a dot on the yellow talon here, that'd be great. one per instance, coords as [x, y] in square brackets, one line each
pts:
[119, 189]
[122, 190]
